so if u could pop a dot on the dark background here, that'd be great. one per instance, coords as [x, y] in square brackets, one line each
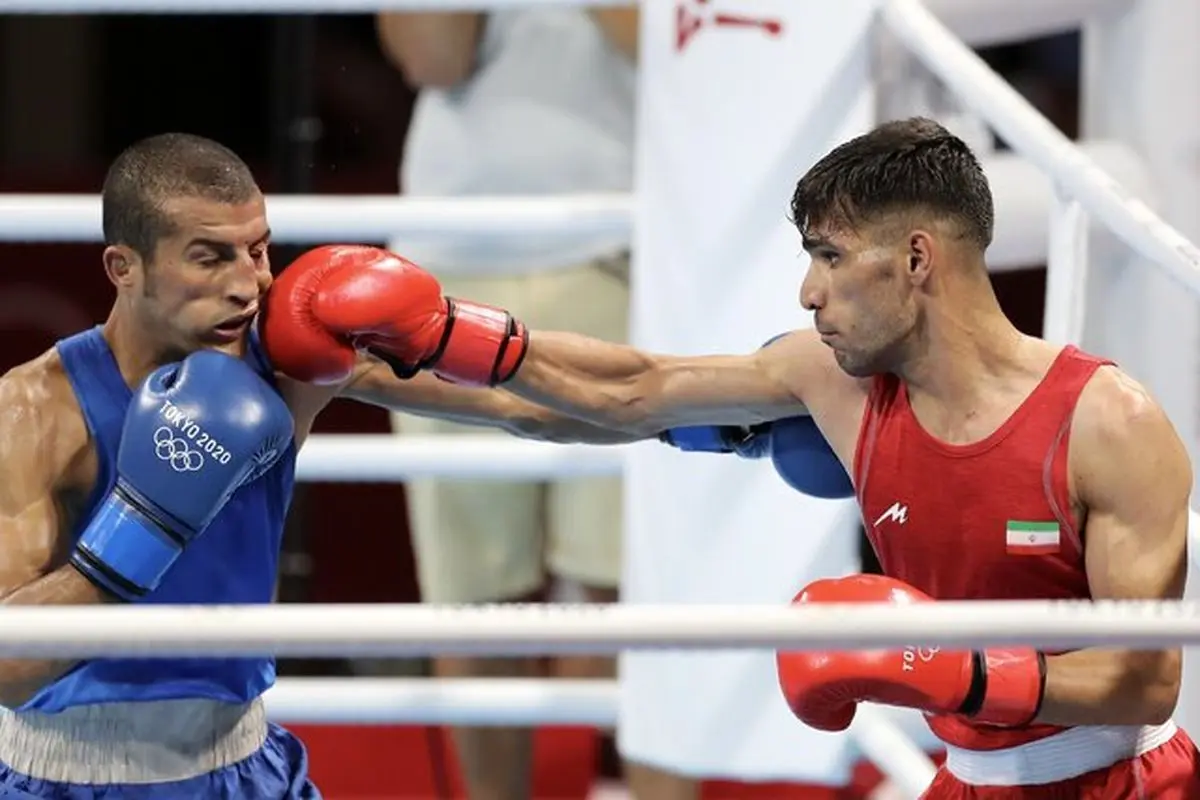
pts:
[313, 106]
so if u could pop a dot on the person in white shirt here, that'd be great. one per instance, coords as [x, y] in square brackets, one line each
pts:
[521, 102]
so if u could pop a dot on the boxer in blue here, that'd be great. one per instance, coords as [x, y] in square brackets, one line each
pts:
[151, 459]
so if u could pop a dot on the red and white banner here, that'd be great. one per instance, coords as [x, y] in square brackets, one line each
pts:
[737, 99]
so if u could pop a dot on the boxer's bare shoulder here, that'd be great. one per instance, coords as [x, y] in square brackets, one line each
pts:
[1131, 476]
[807, 367]
[47, 468]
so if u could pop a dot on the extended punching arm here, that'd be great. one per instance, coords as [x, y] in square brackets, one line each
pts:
[334, 301]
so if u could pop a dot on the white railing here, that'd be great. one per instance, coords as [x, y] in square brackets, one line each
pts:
[1002, 107]
[1024, 199]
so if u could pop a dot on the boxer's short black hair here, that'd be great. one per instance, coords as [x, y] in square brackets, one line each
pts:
[158, 168]
[911, 165]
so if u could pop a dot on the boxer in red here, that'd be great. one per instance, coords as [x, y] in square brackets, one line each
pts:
[989, 465]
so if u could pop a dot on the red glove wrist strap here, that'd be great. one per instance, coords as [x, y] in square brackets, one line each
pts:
[482, 345]
[1007, 687]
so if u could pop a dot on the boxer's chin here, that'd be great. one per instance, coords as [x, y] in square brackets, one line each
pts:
[228, 338]
[235, 346]
[856, 365]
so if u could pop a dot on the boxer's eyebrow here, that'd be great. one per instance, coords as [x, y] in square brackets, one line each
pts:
[225, 249]
[810, 243]
[222, 249]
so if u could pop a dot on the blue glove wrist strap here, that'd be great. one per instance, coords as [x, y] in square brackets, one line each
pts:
[699, 438]
[123, 550]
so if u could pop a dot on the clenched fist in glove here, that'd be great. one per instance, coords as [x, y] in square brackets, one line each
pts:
[336, 300]
[1000, 687]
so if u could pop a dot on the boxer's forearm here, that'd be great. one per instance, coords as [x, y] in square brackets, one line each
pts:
[607, 384]
[427, 396]
[620, 387]
[1110, 687]
[20, 679]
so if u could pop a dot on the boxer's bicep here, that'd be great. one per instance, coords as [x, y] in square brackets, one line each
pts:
[1132, 474]
[47, 468]
[622, 387]
[38, 444]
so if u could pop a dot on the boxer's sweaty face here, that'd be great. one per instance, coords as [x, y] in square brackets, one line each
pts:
[202, 288]
[860, 301]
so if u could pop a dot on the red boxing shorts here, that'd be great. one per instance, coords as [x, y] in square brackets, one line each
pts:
[1156, 770]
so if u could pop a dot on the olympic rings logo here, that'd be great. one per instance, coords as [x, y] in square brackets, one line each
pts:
[176, 451]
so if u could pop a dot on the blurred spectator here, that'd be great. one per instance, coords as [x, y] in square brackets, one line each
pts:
[520, 102]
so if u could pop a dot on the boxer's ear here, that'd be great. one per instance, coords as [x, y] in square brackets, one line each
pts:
[120, 263]
[920, 257]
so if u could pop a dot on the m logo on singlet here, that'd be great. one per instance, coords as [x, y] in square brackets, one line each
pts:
[897, 512]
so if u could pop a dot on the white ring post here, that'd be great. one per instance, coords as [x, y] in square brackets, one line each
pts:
[1066, 273]
[1149, 326]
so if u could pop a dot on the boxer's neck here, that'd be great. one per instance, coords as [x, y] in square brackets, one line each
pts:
[964, 344]
[137, 351]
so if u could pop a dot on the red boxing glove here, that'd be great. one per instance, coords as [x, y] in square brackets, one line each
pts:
[335, 300]
[999, 687]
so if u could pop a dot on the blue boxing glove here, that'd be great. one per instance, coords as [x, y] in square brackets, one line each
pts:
[805, 461]
[752, 442]
[194, 433]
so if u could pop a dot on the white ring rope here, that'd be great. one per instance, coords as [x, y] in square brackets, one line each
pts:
[976, 21]
[439, 701]
[527, 702]
[1031, 134]
[364, 457]
[889, 748]
[405, 630]
[325, 218]
[274, 6]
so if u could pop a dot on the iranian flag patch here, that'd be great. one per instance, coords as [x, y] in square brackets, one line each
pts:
[1031, 538]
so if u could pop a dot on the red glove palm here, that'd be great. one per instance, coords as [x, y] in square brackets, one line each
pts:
[1001, 687]
[336, 300]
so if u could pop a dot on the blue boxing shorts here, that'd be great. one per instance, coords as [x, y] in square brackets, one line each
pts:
[152, 751]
